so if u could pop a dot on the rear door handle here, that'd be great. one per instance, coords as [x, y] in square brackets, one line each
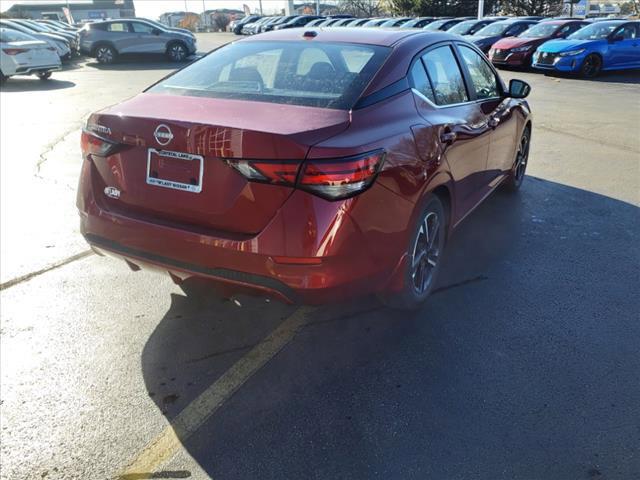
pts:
[493, 122]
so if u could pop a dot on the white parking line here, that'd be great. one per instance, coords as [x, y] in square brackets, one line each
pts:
[162, 448]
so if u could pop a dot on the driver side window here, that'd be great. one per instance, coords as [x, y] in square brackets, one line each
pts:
[139, 27]
[627, 32]
[484, 80]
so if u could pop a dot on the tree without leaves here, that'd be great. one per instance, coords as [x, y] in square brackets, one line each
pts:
[220, 21]
[630, 8]
[532, 7]
[452, 8]
[362, 8]
[403, 7]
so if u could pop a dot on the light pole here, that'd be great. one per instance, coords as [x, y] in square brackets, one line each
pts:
[480, 9]
[317, 7]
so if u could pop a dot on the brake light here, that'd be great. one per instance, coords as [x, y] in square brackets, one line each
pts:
[333, 179]
[341, 178]
[14, 51]
[280, 171]
[92, 144]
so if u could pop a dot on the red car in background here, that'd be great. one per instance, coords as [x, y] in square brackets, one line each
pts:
[517, 51]
[310, 165]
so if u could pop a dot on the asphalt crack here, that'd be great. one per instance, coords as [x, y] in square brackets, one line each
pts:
[53, 266]
[49, 147]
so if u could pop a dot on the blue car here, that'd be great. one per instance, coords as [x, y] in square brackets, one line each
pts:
[608, 45]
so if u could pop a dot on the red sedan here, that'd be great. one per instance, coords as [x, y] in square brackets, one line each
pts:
[310, 165]
[518, 51]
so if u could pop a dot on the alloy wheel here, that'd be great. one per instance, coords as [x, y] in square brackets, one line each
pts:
[426, 252]
[521, 158]
[591, 66]
[177, 53]
[104, 55]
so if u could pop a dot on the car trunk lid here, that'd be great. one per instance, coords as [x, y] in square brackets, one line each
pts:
[170, 164]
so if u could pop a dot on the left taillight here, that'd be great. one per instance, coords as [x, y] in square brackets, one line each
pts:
[278, 172]
[14, 51]
[93, 144]
[333, 179]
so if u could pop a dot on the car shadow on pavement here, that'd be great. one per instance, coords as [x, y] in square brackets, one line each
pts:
[140, 62]
[522, 365]
[631, 77]
[34, 84]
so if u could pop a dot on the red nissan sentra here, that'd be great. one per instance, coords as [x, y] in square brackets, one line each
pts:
[518, 51]
[310, 165]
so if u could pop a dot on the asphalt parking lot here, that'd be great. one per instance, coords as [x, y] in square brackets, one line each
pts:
[524, 365]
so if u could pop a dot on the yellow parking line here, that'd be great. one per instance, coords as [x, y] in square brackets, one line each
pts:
[163, 447]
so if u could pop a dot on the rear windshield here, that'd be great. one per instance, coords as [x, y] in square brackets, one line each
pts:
[328, 75]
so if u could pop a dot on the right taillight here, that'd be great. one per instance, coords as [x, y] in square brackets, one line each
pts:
[333, 179]
[340, 178]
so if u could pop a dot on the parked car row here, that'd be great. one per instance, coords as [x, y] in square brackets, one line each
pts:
[104, 40]
[565, 44]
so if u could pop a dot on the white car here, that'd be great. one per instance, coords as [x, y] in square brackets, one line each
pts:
[21, 54]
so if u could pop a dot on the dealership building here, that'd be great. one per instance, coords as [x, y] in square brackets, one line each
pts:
[79, 10]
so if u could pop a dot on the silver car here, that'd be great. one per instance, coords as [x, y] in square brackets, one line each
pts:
[107, 40]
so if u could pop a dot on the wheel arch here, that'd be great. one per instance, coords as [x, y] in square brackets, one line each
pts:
[441, 185]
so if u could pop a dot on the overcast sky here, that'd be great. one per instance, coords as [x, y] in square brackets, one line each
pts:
[153, 8]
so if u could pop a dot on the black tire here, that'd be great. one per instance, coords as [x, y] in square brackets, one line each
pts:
[516, 177]
[44, 75]
[425, 257]
[3, 78]
[591, 66]
[177, 52]
[105, 54]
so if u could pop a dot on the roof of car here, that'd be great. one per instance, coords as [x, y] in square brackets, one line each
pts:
[562, 22]
[371, 36]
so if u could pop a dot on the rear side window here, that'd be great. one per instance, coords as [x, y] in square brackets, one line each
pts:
[118, 27]
[446, 78]
[420, 81]
[484, 80]
[327, 75]
[516, 30]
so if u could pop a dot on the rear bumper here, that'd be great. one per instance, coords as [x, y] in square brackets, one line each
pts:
[312, 251]
[36, 69]
[181, 271]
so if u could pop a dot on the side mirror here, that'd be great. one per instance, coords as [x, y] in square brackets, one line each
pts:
[156, 31]
[518, 89]
[617, 38]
